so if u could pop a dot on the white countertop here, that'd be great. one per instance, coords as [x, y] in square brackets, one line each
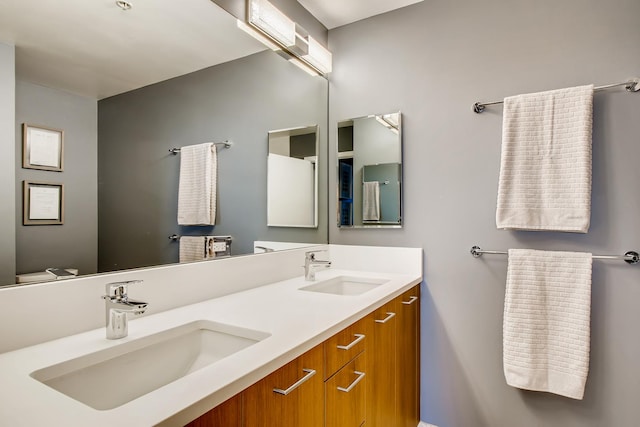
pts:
[296, 320]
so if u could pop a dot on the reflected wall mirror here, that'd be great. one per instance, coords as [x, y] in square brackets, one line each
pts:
[370, 171]
[186, 76]
[292, 177]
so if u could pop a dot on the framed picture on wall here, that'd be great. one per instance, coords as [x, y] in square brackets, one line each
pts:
[43, 203]
[42, 148]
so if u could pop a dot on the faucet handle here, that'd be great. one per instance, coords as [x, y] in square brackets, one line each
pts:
[118, 290]
[311, 255]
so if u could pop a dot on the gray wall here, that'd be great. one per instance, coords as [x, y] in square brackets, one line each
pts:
[138, 179]
[75, 243]
[439, 58]
[7, 169]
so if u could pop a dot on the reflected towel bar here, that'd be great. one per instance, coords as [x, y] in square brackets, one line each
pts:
[632, 85]
[630, 257]
[226, 144]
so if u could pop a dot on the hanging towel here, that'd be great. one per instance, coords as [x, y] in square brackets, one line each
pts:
[192, 248]
[545, 169]
[371, 201]
[197, 188]
[547, 321]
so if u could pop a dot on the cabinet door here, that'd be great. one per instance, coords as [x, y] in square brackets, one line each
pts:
[292, 396]
[345, 395]
[381, 384]
[227, 414]
[408, 351]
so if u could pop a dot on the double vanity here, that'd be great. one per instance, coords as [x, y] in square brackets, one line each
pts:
[178, 363]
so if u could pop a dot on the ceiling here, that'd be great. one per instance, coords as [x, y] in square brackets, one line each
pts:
[95, 49]
[336, 13]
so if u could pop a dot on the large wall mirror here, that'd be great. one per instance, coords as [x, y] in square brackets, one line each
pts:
[128, 86]
[370, 171]
[292, 177]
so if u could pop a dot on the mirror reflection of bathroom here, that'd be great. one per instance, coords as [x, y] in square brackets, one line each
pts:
[370, 171]
[292, 177]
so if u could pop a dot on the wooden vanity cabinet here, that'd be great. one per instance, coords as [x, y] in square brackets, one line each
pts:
[367, 374]
[408, 358]
[381, 384]
[227, 414]
[292, 396]
[346, 369]
[345, 395]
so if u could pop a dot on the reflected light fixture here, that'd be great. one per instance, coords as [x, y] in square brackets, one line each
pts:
[293, 39]
[390, 121]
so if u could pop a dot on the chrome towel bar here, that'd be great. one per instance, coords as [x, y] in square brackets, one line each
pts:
[226, 144]
[630, 257]
[632, 85]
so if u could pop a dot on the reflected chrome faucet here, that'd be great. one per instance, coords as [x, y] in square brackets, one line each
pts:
[311, 264]
[118, 305]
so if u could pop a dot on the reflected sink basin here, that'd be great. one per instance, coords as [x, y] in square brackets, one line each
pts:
[109, 378]
[345, 285]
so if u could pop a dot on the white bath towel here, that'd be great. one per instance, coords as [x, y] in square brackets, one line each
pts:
[546, 325]
[197, 188]
[545, 170]
[371, 201]
[192, 248]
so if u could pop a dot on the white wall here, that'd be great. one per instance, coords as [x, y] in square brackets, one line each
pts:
[432, 61]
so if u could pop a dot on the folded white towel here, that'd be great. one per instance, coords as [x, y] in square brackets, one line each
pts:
[192, 248]
[545, 170]
[546, 327]
[197, 188]
[371, 201]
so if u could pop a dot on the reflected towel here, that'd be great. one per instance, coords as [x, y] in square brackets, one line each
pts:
[197, 188]
[192, 248]
[371, 201]
[545, 169]
[546, 326]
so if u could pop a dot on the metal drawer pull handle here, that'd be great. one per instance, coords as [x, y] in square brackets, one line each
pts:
[359, 337]
[310, 373]
[411, 301]
[353, 384]
[386, 319]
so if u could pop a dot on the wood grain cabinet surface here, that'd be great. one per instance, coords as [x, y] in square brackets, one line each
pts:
[408, 359]
[345, 395]
[302, 406]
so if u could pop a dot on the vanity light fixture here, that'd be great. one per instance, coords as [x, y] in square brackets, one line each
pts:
[318, 56]
[124, 4]
[258, 35]
[267, 18]
[303, 66]
[293, 40]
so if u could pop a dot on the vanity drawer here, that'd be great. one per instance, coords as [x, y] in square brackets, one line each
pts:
[345, 345]
[345, 395]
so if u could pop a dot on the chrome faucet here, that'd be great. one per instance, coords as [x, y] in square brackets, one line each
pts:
[311, 263]
[118, 305]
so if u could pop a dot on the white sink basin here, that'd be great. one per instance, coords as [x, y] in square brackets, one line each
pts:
[345, 285]
[109, 378]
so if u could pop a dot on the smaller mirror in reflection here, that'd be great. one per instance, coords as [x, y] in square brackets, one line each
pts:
[292, 178]
[370, 171]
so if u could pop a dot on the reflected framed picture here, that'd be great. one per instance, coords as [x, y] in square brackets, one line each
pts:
[42, 148]
[43, 203]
